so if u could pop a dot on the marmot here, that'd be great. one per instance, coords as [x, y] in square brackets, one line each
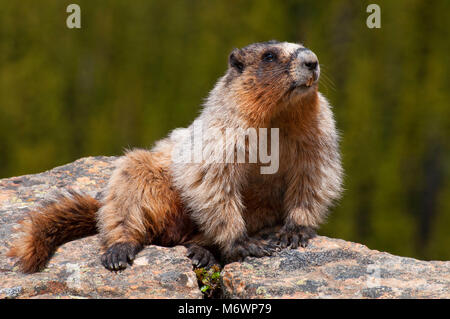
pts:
[213, 208]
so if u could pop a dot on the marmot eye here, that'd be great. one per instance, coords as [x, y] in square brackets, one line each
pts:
[268, 57]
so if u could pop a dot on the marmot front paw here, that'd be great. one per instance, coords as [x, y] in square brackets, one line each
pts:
[200, 256]
[294, 236]
[248, 247]
[118, 256]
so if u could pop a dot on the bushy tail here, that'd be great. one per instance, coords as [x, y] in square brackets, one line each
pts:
[70, 217]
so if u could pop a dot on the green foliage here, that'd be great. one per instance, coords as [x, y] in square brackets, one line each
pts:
[136, 70]
[209, 280]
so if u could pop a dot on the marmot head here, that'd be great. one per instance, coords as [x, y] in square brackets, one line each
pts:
[266, 76]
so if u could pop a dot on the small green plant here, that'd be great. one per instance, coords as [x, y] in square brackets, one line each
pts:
[209, 280]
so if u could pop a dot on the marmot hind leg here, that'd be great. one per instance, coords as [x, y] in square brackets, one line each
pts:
[139, 205]
[119, 255]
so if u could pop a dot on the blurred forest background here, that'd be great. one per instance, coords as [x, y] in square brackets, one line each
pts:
[138, 69]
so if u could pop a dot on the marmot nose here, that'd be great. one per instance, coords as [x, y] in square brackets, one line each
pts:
[311, 65]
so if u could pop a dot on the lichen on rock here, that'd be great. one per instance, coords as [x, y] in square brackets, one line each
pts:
[327, 268]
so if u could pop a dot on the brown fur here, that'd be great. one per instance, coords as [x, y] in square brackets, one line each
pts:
[69, 218]
[141, 204]
[151, 198]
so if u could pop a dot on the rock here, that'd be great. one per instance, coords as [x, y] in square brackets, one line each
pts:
[327, 268]
[334, 268]
[75, 270]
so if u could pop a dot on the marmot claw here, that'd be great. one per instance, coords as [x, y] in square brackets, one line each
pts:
[294, 236]
[248, 247]
[200, 256]
[118, 256]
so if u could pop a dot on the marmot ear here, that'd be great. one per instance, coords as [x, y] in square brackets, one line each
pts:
[236, 61]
